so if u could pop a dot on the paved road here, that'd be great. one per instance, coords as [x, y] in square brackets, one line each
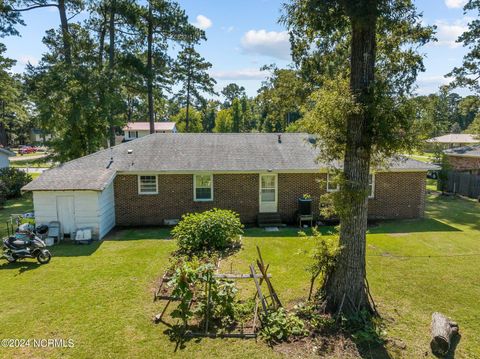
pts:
[27, 158]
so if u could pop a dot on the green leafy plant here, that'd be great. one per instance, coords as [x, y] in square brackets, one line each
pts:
[279, 325]
[193, 278]
[324, 257]
[306, 196]
[186, 276]
[211, 230]
[11, 182]
[364, 328]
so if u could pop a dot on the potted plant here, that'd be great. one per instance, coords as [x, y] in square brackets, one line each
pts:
[305, 205]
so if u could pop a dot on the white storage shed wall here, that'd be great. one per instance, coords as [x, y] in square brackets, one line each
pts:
[90, 209]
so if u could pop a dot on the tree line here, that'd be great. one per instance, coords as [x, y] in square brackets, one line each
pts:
[119, 65]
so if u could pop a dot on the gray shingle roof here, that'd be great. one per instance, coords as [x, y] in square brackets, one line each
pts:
[185, 152]
[469, 151]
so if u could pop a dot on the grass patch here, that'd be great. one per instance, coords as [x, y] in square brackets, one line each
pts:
[100, 295]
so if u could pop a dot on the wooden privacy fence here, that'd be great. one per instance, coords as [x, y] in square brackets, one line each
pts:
[462, 183]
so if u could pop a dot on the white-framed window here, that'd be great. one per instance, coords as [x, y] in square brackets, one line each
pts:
[132, 134]
[148, 184]
[203, 187]
[332, 185]
[371, 185]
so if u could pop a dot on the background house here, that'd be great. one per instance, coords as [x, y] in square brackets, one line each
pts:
[37, 136]
[135, 130]
[465, 158]
[4, 157]
[454, 140]
[162, 177]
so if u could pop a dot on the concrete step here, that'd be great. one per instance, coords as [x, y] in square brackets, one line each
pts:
[269, 220]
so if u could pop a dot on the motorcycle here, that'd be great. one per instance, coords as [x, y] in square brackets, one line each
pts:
[26, 243]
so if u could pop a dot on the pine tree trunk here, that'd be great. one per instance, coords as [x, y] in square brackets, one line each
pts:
[111, 69]
[346, 284]
[151, 116]
[65, 34]
[3, 135]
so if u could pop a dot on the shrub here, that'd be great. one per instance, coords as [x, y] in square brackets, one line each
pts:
[11, 182]
[216, 229]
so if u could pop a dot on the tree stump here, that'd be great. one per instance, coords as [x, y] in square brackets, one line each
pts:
[443, 329]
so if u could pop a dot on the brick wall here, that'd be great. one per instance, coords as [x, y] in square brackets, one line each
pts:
[175, 197]
[397, 195]
[459, 163]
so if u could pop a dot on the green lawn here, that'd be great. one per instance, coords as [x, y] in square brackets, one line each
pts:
[101, 295]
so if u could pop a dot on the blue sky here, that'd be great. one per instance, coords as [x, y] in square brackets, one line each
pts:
[244, 35]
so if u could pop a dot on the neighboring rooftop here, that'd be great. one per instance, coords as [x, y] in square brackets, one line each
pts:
[145, 126]
[455, 138]
[197, 152]
[466, 151]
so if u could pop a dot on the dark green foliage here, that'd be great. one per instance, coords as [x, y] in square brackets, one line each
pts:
[279, 326]
[191, 70]
[213, 230]
[67, 95]
[11, 182]
[9, 18]
[231, 92]
[13, 114]
[467, 74]
[280, 99]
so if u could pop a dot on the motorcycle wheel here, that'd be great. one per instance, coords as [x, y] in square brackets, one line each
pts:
[44, 257]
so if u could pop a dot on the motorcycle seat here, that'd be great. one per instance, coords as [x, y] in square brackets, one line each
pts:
[19, 243]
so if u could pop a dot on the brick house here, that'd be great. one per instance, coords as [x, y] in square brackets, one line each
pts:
[465, 159]
[162, 176]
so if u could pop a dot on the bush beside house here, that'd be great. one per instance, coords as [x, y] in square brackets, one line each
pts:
[216, 229]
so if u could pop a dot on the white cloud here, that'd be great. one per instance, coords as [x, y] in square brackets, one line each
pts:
[434, 80]
[267, 43]
[240, 74]
[203, 22]
[25, 59]
[428, 84]
[455, 4]
[448, 32]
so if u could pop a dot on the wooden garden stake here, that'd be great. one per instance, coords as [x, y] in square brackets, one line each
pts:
[259, 290]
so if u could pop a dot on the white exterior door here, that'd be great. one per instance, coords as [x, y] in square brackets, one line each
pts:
[66, 213]
[268, 193]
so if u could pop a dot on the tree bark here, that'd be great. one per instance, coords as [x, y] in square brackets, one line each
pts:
[3, 135]
[443, 329]
[189, 79]
[346, 283]
[151, 116]
[65, 32]
[111, 69]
